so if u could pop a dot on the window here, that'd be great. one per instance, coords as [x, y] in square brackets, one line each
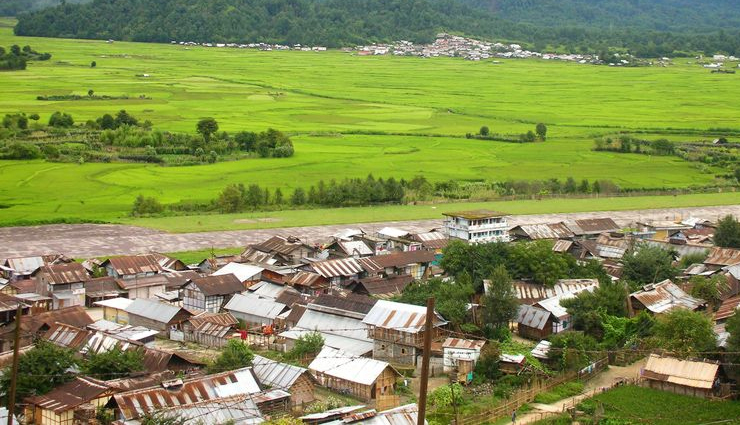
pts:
[403, 351]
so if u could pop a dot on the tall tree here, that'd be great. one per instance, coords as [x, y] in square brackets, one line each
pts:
[647, 264]
[235, 355]
[206, 127]
[541, 130]
[114, 363]
[40, 370]
[686, 333]
[500, 303]
[727, 234]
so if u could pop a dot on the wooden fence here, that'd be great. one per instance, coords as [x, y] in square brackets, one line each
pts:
[527, 395]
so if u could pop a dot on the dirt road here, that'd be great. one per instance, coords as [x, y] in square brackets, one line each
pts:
[97, 240]
[603, 379]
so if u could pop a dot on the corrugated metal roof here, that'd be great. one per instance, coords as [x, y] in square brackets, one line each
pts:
[240, 410]
[335, 268]
[562, 245]
[534, 317]
[339, 411]
[268, 289]
[530, 293]
[143, 282]
[347, 304]
[466, 344]
[552, 304]
[544, 231]
[695, 374]
[153, 310]
[393, 232]
[348, 367]
[354, 248]
[64, 273]
[243, 272]
[81, 390]
[307, 279]
[275, 374]
[135, 264]
[665, 296]
[729, 307]
[254, 305]
[512, 358]
[9, 303]
[397, 259]
[333, 324]
[251, 255]
[403, 415]
[399, 316]
[25, 265]
[350, 345]
[117, 303]
[280, 244]
[386, 287]
[135, 403]
[219, 284]
[723, 256]
[592, 226]
[541, 350]
[224, 319]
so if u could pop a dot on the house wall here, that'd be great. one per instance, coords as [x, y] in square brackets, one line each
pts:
[115, 315]
[250, 319]
[679, 389]
[452, 356]
[302, 390]
[363, 392]
[136, 320]
[395, 353]
[534, 333]
[145, 291]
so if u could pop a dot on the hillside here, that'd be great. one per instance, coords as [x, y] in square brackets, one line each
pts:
[14, 7]
[645, 27]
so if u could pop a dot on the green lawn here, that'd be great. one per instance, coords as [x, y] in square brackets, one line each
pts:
[645, 405]
[323, 98]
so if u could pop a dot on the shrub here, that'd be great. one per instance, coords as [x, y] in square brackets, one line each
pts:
[146, 205]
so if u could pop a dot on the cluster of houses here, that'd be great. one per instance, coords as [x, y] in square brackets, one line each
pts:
[280, 290]
[256, 46]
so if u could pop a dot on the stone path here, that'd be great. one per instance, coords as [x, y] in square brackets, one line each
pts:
[97, 240]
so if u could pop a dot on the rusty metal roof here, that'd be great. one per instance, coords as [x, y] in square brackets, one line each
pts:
[358, 248]
[280, 244]
[723, 256]
[399, 316]
[153, 310]
[397, 259]
[275, 374]
[64, 273]
[225, 284]
[224, 319]
[308, 279]
[25, 265]
[9, 303]
[530, 293]
[729, 307]
[562, 245]
[135, 264]
[102, 287]
[251, 255]
[75, 316]
[139, 382]
[67, 336]
[544, 231]
[695, 374]
[466, 344]
[347, 302]
[476, 214]
[592, 226]
[134, 404]
[335, 268]
[81, 390]
[664, 296]
[143, 282]
[385, 287]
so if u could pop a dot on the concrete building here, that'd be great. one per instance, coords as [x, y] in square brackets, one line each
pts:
[480, 226]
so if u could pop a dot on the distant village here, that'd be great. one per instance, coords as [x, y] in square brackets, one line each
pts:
[278, 291]
[445, 45]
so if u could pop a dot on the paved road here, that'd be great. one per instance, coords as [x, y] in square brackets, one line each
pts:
[98, 240]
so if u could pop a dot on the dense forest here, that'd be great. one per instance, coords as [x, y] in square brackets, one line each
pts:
[14, 7]
[644, 28]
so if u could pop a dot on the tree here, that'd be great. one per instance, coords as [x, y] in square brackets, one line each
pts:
[571, 350]
[232, 198]
[254, 196]
[34, 117]
[452, 297]
[40, 370]
[570, 186]
[488, 362]
[247, 140]
[536, 260]
[206, 127]
[541, 130]
[59, 119]
[647, 264]
[298, 197]
[278, 197]
[484, 131]
[732, 326]
[530, 136]
[145, 205]
[107, 122]
[708, 289]
[124, 118]
[584, 186]
[93, 64]
[686, 333]
[235, 355]
[588, 307]
[90, 93]
[500, 303]
[727, 234]
[307, 346]
[114, 363]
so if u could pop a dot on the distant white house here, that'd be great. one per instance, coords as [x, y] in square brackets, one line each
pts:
[480, 226]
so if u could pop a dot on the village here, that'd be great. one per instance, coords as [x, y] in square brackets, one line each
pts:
[332, 338]
[445, 45]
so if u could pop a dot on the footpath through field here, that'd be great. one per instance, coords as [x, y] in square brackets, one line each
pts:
[593, 386]
[98, 240]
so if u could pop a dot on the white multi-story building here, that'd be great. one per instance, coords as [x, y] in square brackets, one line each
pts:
[480, 226]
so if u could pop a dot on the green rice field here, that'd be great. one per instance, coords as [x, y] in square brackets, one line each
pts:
[350, 116]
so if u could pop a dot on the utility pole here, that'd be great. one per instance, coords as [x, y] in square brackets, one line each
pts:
[16, 355]
[429, 329]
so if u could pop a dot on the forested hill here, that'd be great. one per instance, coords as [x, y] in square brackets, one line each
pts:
[14, 7]
[667, 27]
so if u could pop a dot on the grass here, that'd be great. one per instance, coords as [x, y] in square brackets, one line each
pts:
[559, 392]
[631, 404]
[351, 116]
[192, 257]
